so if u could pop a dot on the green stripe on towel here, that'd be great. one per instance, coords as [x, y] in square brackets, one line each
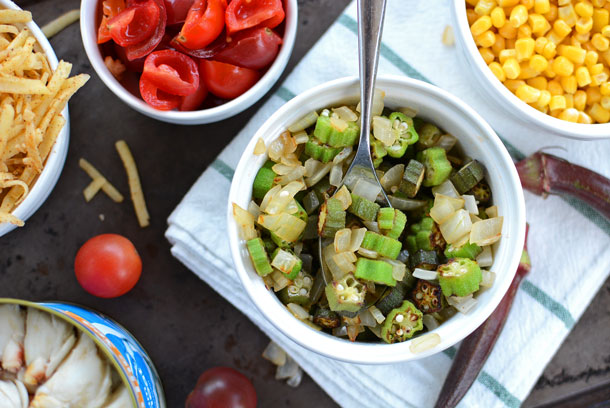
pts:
[285, 93]
[499, 390]
[548, 302]
[223, 168]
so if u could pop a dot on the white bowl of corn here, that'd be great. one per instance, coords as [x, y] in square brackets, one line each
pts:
[545, 62]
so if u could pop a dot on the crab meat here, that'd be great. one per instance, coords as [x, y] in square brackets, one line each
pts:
[83, 380]
[48, 341]
[12, 328]
[13, 394]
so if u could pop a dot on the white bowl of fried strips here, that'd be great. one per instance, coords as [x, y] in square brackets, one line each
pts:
[34, 127]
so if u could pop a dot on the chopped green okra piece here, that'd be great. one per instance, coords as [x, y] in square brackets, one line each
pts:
[385, 218]
[424, 260]
[459, 277]
[391, 299]
[427, 297]
[319, 151]
[331, 218]
[384, 246]
[256, 249]
[375, 271]
[398, 222]
[468, 176]
[406, 134]
[467, 250]
[363, 208]
[425, 235]
[346, 294]
[412, 178]
[378, 151]
[438, 168]
[326, 318]
[428, 135]
[299, 291]
[481, 192]
[326, 133]
[263, 180]
[286, 262]
[270, 245]
[402, 323]
[311, 202]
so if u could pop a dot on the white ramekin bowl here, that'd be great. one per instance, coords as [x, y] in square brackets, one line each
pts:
[497, 95]
[88, 28]
[477, 139]
[55, 161]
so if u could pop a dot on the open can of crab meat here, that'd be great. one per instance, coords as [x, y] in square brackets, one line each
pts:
[121, 349]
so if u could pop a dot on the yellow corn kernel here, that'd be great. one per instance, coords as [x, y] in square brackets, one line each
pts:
[554, 87]
[557, 102]
[540, 43]
[480, 26]
[605, 102]
[529, 4]
[487, 39]
[573, 53]
[584, 25]
[605, 31]
[599, 114]
[511, 68]
[518, 16]
[569, 84]
[487, 54]
[484, 7]
[597, 80]
[561, 28]
[537, 23]
[506, 54]
[569, 100]
[498, 17]
[551, 15]
[584, 118]
[605, 88]
[510, 43]
[580, 100]
[508, 3]
[550, 50]
[584, 9]
[472, 3]
[582, 76]
[513, 84]
[544, 99]
[542, 6]
[499, 45]
[538, 63]
[600, 42]
[563, 66]
[563, 2]
[567, 14]
[524, 31]
[471, 16]
[601, 18]
[554, 37]
[606, 57]
[596, 69]
[570, 114]
[549, 73]
[598, 3]
[538, 82]
[497, 70]
[524, 48]
[593, 95]
[591, 58]
[582, 38]
[508, 31]
[526, 71]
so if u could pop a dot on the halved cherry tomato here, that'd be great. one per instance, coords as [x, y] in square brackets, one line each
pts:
[177, 10]
[172, 72]
[107, 265]
[242, 14]
[145, 47]
[195, 100]
[204, 22]
[226, 80]
[134, 24]
[222, 387]
[110, 8]
[157, 98]
[254, 48]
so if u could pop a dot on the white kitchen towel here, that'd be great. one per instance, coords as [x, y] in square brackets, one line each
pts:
[569, 243]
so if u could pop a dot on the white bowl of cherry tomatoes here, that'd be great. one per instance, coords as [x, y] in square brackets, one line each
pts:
[189, 62]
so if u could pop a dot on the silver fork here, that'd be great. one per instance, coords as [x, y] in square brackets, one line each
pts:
[370, 26]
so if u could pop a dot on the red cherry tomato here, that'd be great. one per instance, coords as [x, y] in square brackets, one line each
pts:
[107, 266]
[226, 80]
[204, 22]
[134, 24]
[177, 10]
[110, 8]
[145, 47]
[242, 14]
[172, 72]
[157, 98]
[193, 101]
[222, 387]
[254, 48]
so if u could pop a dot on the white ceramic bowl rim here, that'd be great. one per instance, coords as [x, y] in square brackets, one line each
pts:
[232, 107]
[375, 353]
[558, 126]
[55, 161]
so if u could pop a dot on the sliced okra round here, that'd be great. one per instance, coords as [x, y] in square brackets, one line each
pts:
[402, 323]
[427, 297]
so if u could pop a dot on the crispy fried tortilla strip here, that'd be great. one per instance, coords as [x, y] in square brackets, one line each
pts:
[135, 187]
[15, 16]
[10, 218]
[107, 188]
[16, 85]
[91, 190]
[61, 22]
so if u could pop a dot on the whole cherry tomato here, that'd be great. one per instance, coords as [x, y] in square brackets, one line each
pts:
[107, 266]
[226, 80]
[222, 387]
[254, 48]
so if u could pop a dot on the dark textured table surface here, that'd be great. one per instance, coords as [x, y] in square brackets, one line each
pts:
[185, 326]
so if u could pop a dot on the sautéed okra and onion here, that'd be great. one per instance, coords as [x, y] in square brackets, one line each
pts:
[392, 272]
